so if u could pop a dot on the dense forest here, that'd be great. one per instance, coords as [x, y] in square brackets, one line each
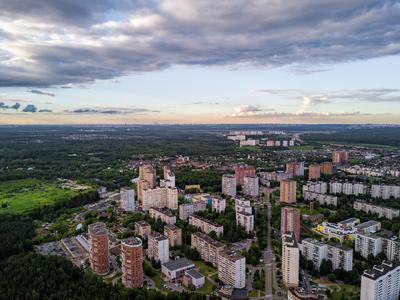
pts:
[34, 276]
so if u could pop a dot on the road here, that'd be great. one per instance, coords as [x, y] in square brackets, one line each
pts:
[267, 255]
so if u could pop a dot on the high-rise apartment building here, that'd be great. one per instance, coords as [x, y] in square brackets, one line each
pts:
[142, 229]
[314, 172]
[158, 248]
[132, 262]
[290, 221]
[169, 178]
[245, 220]
[327, 168]
[160, 197]
[251, 186]
[174, 235]
[229, 185]
[290, 260]
[232, 269]
[295, 168]
[99, 248]
[147, 178]
[288, 191]
[242, 171]
[218, 204]
[127, 201]
[381, 283]
[340, 157]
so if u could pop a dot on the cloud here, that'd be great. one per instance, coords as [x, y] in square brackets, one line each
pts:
[39, 92]
[249, 111]
[30, 108]
[297, 115]
[65, 43]
[112, 110]
[312, 98]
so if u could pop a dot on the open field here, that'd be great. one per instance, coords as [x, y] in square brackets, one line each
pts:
[19, 196]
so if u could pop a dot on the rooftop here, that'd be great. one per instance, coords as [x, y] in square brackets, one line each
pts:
[157, 236]
[177, 264]
[208, 239]
[194, 274]
[381, 270]
[142, 223]
[133, 241]
[98, 228]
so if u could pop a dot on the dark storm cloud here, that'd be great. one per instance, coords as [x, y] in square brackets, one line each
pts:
[73, 42]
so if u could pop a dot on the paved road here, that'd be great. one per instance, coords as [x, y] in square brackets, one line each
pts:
[267, 255]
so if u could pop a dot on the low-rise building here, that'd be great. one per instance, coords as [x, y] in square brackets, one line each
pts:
[323, 199]
[175, 269]
[193, 278]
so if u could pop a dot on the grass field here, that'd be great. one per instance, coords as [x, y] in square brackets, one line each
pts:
[21, 196]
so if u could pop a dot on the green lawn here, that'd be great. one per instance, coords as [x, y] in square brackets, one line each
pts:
[346, 292]
[207, 288]
[20, 196]
[205, 269]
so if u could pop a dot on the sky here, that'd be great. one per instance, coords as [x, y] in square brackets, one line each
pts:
[207, 61]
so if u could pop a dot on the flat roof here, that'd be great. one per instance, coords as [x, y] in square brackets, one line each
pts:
[194, 274]
[177, 264]
[381, 270]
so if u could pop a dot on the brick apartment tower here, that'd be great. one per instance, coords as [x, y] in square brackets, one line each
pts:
[132, 262]
[327, 168]
[147, 178]
[314, 172]
[242, 171]
[288, 191]
[290, 221]
[340, 157]
[99, 249]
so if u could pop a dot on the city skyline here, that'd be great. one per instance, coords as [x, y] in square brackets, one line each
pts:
[173, 61]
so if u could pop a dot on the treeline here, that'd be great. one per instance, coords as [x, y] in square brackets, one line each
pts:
[15, 234]
[209, 180]
[50, 212]
[34, 276]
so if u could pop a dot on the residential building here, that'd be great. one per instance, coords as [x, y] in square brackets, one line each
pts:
[147, 178]
[288, 191]
[314, 172]
[127, 201]
[229, 185]
[132, 262]
[163, 214]
[245, 220]
[295, 168]
[340, 157]
[158, 247]
[370, 226]
[160, 197]
[290, 260]
[175, 269]
[242, 171]
[290, 221]
[99, 254]
[142, 229]
[327, 168]
[187, 209]
[373, 244]
[341, 257]
[193, 278]
[218, 204]
[316, 187]
[381, 283]
[208, 248]
[323, 199]
[385, 191]
[207, 226]
[251, 186]
[232, 269]
[174, 234]
[382, 211]
[242, 205]
[169, 178]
